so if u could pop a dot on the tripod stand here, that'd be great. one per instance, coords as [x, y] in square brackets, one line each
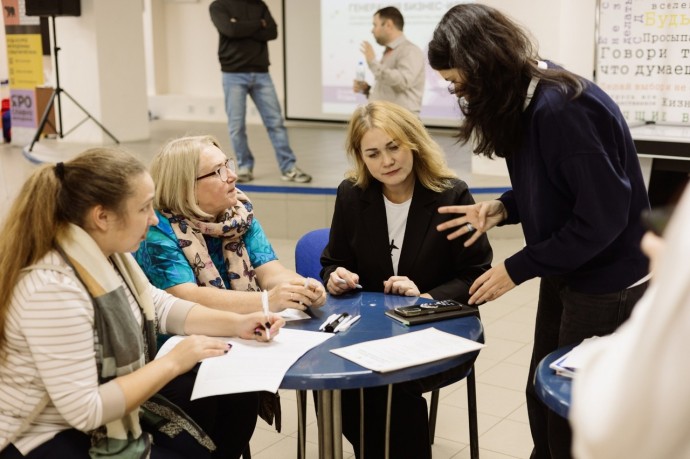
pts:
[56, 95]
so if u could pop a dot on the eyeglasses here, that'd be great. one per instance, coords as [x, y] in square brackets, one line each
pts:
[222, 171]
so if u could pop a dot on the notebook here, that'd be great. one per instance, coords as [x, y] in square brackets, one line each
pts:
[465, 311]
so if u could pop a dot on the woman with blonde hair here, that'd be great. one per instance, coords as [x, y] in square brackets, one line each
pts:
[208, 245]
[384, 237]
[78, 321]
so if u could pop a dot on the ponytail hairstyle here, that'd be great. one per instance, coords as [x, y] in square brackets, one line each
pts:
[51, 198]
[496, 60]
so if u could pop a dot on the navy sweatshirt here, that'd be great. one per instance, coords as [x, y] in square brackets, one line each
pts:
[578, 192]
[243, 40]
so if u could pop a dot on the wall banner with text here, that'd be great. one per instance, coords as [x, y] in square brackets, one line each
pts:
[643, 58]
[24, 62]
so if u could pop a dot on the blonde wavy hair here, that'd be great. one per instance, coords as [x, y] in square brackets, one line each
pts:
[174, 170]
[407, 130]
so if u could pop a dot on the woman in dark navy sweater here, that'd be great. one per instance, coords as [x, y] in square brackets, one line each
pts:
[577, 188]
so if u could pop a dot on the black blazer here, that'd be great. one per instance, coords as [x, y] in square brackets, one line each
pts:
[359, 242]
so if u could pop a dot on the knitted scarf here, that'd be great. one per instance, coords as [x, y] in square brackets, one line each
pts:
[120, 343]
[230, 227]
[122, 346]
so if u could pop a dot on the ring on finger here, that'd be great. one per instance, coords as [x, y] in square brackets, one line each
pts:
[469, 227]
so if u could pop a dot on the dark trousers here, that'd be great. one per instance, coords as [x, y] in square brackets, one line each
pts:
[409, 429]
[228, 419]
[74, 444]
[568, 317]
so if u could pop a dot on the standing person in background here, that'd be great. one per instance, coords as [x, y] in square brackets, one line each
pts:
[383, 237]
[245, 28]
[577, 189]
[400, 74]
[78, 321]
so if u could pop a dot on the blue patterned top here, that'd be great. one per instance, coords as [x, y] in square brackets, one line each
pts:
[166, 266]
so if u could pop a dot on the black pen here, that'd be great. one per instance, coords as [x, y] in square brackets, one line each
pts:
[331, 326]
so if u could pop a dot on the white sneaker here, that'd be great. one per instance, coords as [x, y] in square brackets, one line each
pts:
[244, 175]
[296, 175]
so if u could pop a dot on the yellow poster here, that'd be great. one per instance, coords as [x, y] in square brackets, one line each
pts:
[25, 60]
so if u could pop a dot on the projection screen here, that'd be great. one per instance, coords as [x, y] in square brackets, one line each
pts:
[322, 50]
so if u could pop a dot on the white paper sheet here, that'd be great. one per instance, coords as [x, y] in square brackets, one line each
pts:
[293, 314]
[570, 362]
[407, 350]
[250, 365]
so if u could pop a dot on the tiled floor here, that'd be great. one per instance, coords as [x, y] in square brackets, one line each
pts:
[509, 321]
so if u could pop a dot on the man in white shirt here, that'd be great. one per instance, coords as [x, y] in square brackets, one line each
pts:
[400, 73]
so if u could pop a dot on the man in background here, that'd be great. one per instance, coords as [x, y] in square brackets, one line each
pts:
[245, 27]
[400, 73]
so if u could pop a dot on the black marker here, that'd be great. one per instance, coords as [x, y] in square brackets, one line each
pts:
[331, 326]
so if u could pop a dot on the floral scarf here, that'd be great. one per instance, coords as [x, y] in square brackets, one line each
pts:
[230, 227]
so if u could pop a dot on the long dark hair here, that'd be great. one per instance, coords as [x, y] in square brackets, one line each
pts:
[496, 59]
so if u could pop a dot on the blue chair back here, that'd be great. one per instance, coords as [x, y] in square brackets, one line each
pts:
[308, 252]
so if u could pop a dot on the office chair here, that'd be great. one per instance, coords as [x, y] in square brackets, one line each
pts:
[308, 264]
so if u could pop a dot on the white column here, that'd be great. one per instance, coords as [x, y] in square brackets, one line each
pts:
[102, 66]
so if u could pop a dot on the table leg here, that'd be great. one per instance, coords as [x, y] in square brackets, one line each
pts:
[361, 423]
[301, 423]
[472, 413]
[388, 421]
[330, 425]
[337, 426]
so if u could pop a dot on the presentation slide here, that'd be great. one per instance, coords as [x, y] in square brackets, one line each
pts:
[323, 39]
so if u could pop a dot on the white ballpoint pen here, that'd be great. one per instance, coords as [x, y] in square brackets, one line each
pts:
[346, 325]
[340, 280]
[328, 321]
[264, 304]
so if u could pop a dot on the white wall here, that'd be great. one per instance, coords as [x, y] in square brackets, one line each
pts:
[187, 83]
[187, 80]
[183, 74]
[102, 69]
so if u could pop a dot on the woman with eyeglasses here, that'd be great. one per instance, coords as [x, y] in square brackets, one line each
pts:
[577, 188]
[208, 245]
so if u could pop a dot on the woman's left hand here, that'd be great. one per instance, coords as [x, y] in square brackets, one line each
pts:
[400, 285]
[315, 292]
[305, 292]
[256, 324]
[491, 285]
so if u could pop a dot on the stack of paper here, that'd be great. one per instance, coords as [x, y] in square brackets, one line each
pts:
[249, 365]
[568, 364]
[407, 350]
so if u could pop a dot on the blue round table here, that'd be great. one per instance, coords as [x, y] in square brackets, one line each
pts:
[322, 371]
[552, 389]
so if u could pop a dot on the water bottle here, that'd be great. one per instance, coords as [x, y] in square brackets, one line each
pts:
[360, 75]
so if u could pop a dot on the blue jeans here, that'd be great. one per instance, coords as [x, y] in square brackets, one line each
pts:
[564, 317]
[260, 87]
